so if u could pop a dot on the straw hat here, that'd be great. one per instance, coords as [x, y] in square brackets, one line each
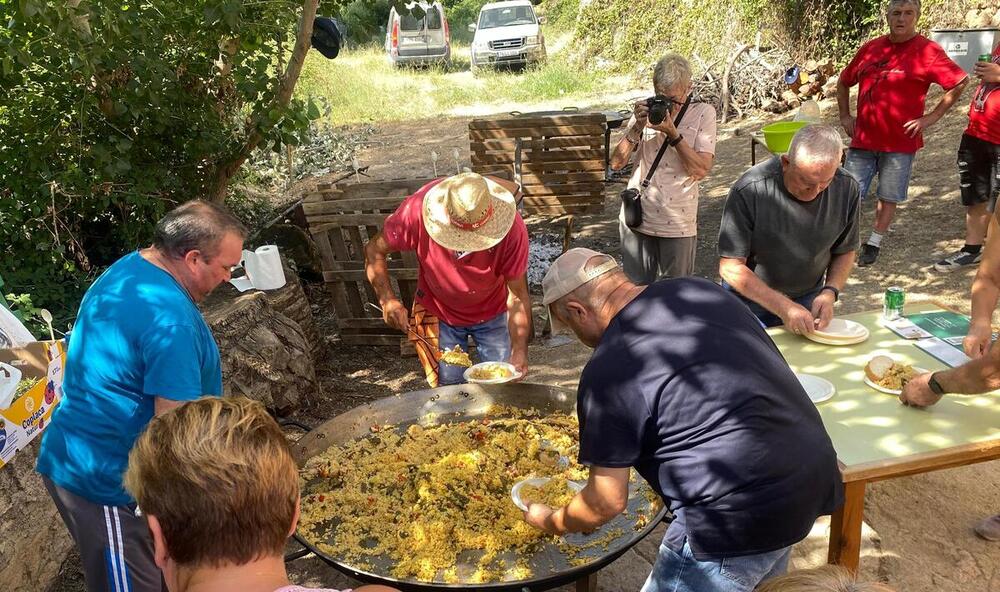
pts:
[468, 212]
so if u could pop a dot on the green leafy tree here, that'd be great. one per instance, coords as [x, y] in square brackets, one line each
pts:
[112, 111]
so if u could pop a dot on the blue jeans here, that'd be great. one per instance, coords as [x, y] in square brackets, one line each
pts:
[492, 344]
[766, 317]
[893, 169]
[681, 572]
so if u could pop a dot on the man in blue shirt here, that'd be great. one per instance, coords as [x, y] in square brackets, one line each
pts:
[139, 347]
[686, 387]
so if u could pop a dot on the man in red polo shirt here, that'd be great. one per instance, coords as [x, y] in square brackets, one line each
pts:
[894, 72]
[979, 164]
[472, 246]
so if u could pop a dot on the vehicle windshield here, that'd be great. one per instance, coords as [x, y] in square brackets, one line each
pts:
[408, 22]
[506, 16]
[430, 14]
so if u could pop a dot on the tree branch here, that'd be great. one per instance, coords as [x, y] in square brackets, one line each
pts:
[303, 41]
[725, 79]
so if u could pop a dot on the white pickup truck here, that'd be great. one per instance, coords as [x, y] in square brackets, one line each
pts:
[507, 33]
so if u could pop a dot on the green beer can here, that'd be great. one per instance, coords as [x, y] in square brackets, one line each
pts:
[985, 58]
[892, 307]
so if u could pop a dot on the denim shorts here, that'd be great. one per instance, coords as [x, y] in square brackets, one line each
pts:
[893, 170]
[681, 572]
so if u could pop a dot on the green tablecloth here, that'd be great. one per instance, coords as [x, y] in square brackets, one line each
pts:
[868, 426]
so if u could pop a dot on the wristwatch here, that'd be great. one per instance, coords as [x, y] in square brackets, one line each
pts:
[836, 292]
[675, 141]
[935, 385]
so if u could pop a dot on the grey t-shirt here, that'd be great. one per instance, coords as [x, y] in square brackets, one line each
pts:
[788, 243]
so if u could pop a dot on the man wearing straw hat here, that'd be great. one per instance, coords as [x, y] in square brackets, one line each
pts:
[472, 246]
[685, 386]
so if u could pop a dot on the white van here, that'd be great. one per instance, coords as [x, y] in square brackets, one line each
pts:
[507, 33]
[423, 40]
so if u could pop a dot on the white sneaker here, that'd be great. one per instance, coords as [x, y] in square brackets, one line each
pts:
[957, 261]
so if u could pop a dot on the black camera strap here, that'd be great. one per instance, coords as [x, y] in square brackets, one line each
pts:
[664, 146]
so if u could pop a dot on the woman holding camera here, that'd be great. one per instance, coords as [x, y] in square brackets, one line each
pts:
[659, 235]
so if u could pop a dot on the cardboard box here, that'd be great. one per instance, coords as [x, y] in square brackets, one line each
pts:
[30, 413]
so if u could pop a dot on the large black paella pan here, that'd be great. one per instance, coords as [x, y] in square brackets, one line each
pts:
[550, 567]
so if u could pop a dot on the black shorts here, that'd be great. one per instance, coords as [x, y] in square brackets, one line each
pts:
[979, 171]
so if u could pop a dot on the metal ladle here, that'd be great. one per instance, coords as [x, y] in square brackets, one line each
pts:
[410, 330]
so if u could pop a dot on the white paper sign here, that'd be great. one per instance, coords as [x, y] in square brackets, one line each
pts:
[13, 333]
[957, 48]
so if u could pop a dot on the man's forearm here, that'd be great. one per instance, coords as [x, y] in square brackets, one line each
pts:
[840, 269]
[949, 99]
[751, 287]
[985, 293]
[377, 272]
[519, 320]
[981, 375]
[585, 512]
[843, 100]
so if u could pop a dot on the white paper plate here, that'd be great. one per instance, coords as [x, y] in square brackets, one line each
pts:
[888, 391]
[818, 389]
[843, 329]
[515, 492]
[840, 332]
[514, 374]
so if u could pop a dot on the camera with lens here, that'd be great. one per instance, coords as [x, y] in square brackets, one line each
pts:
[658, 106]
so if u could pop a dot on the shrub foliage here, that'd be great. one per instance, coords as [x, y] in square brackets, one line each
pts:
[112, 111]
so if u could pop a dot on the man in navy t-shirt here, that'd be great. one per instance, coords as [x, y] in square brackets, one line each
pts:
[139, 347]
[685, 386]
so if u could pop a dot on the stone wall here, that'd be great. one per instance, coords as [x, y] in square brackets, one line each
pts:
[33, 540]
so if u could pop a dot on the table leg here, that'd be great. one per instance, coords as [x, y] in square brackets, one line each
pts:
[607, 154]
[753, 152]
[845, 528]
[587, 583]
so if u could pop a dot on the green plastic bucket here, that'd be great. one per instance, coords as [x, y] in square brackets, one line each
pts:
[778, 136]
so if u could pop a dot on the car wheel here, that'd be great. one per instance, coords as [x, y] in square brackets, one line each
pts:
[474, 67]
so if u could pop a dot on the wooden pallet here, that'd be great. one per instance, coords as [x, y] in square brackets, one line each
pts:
[341, 219]
[562, 160]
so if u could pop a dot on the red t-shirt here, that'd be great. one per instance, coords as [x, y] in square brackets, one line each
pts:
[894, 79]
[985, 124]
[460, 289]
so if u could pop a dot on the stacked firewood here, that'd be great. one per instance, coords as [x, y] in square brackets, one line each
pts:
[816, 80]
[753, 79]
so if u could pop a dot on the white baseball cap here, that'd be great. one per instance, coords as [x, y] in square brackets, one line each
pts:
[568, 272]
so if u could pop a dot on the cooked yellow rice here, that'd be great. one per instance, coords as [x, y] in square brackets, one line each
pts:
[897, 376]
[424, 495]
[554, 493]
[456, 356]
[491, 372]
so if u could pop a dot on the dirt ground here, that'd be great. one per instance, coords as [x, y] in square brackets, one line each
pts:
[918, 534]
[918, 529]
